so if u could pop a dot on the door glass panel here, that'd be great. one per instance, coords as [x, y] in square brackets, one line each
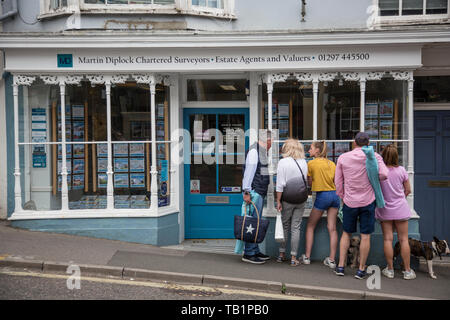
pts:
[232, 127]
[203, 165]
[230, 175]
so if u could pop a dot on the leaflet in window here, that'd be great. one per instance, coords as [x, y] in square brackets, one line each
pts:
[121, 180]
[137, 180]
[136, 149]
[102, 180]
[102, 150]
[78, 166]
[121, 165]
[78, 181]
[78, 151]
[137, 165]
[120, 150]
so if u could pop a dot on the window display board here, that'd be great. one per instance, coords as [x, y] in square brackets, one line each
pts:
[76, 155]
[380, 119]
[281, 119]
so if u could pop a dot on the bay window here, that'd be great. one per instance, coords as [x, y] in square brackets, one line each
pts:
[100, 152]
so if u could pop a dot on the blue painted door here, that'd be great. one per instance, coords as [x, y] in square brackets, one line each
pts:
[214, 154]
[432, 173]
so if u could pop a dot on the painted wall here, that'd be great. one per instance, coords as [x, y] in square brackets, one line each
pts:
[3, 159]
[252, 15]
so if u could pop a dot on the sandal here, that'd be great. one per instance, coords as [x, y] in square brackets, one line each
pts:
[295, 263]
[281, 259]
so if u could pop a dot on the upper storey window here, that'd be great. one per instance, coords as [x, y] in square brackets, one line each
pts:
[412, 7]
[216, 8]
[395, 12]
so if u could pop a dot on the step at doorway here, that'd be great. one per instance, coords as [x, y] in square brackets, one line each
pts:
[222, 246]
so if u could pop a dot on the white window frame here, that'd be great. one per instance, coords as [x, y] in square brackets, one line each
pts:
[106, 80]
[414, 19]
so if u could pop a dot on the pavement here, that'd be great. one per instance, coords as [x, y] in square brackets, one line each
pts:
[51, 252]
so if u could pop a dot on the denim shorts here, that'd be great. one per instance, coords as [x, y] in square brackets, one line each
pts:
[366, 218]
[326, 199]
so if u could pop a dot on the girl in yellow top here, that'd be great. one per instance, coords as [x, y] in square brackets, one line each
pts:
[321, 178]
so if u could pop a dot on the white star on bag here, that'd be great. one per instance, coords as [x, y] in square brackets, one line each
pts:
[250, 229]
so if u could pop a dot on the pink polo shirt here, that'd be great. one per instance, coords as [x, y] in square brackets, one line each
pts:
[352, 182]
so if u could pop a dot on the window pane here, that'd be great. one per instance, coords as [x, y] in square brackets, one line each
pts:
[199, 3]
[385, 110]
[38, 165]
[412, 7]
[85, 122]
[94, 1]
[203, 162]
[437, 6]
[292, 106]
[432, 89]
[338, 110]
[216, 90]
[131, 121]
[389, 7]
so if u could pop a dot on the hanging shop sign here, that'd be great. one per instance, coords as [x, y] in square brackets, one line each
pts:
[182, 59]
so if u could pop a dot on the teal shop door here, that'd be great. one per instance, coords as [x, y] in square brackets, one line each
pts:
[214, 156]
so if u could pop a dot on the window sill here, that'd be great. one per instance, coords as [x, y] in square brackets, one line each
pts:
[53, 15]
[388, 21]
[93, 214]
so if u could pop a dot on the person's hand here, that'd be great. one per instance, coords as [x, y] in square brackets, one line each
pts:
[247, 198]
[279, 207]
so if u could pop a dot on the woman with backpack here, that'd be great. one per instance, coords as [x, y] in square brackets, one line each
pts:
[292, 193]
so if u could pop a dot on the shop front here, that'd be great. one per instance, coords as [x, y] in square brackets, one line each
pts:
[149, 145]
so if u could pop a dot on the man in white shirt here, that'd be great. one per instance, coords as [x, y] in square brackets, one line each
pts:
[256, 178]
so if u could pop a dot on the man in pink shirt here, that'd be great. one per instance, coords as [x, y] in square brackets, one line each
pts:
[353, 186]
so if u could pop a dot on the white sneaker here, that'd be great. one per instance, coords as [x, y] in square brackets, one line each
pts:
[329, 263]
[388, 273]
[305, 259]
[409, 275]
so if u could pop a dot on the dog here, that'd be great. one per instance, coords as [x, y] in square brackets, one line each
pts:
[428, 250]
[353, 252]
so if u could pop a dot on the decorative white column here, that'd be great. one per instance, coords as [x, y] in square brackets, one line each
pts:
[109, 171]
[151, 81]
[17, 81]
[315, 83]
[172, 83]
[64, 186]
[154, 168]
[411, 137]
[362, 111]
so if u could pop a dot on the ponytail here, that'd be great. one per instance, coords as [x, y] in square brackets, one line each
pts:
[322, 146]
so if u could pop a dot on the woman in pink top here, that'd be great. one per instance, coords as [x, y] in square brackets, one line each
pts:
[396, 212]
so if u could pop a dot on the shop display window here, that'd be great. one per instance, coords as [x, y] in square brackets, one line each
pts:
[86, 148]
